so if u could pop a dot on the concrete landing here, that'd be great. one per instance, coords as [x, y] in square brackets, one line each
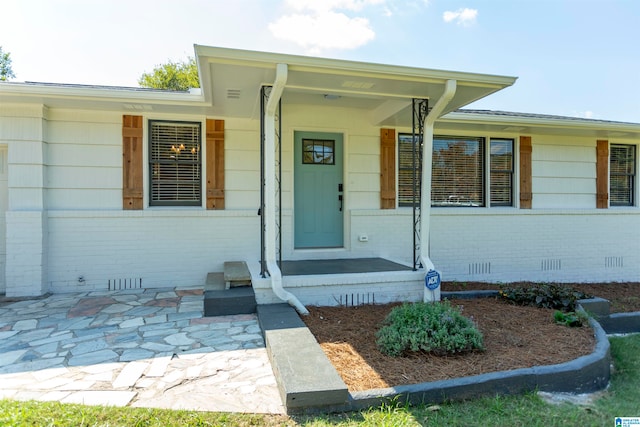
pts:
[305, 376]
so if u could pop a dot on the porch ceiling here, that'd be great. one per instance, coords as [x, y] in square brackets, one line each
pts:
[231, 81]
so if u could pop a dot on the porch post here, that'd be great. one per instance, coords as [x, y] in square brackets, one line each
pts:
[425, 188]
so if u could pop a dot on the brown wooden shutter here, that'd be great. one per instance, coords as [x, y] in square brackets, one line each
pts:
[525, 172]
[132, 146]
[387, 168]
[602, 174]
[215, 164]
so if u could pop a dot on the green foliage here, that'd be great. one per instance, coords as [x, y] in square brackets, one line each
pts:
[571, 318]
[179, 76]
[436, 328]
[6, 72]
[544, 295]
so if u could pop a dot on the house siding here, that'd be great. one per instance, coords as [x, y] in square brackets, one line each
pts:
[65, 217]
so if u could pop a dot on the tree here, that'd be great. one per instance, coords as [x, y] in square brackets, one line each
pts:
[6, 72]
[172, 76]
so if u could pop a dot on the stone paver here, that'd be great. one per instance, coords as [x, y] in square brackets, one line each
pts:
[140, 347]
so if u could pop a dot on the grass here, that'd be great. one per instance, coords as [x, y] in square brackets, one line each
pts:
[621, 399]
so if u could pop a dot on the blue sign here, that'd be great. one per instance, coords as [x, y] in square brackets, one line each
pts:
[432, 280]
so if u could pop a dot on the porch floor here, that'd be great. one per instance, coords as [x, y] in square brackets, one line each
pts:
[340, 266]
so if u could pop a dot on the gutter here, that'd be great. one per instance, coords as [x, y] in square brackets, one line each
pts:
[270, 193]
[425, 197]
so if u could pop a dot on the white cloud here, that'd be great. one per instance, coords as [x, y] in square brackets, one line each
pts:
[464, 17]
[319, 25]
[324, 30]
[328, 5]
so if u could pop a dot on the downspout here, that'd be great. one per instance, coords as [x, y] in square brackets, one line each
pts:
[427, 156]
[270, 191]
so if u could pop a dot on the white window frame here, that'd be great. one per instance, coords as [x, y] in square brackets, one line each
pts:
[486, 173]
[148, 168]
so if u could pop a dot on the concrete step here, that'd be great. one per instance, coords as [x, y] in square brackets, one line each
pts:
[215, 282]
[225, 302]
[236, 273]
[220, 300]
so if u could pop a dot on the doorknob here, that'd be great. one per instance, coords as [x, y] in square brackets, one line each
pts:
[340, 200]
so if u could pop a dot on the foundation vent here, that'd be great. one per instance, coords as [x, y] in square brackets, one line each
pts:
[479, 268]
[613, 262]
[126, 283]
[551, 265]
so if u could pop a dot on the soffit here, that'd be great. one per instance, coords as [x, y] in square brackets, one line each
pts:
[231, 81]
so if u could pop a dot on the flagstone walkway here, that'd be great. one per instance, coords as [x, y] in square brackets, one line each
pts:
[138, 347]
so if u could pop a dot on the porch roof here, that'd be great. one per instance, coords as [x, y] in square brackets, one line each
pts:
[231, 80]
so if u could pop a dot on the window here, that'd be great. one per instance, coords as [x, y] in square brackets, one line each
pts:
[318, 152]
[622, 171]
[405, 169]
[501, 176]
[175, 163]
[458, 171]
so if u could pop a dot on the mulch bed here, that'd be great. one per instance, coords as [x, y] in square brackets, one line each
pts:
[624, 297]
[515, 337]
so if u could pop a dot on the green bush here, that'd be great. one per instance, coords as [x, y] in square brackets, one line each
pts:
[545, 295]
[436, 328]
[571, 318]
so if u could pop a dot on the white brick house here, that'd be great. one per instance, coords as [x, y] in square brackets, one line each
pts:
[101, 185]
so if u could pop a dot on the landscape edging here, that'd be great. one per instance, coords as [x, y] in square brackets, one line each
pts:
[585, 374]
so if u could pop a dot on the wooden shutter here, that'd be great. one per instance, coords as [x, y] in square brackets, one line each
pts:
[525, 172]
[132, 145]
[602, 174]
[387, 168]
[215, 164]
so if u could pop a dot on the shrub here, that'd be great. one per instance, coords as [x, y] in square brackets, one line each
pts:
[544, 295]
[436, 328]
[572, 318]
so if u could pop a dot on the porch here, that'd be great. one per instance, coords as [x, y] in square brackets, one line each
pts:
[344, 281]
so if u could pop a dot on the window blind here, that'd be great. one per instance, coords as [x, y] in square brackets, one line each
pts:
[175, 163]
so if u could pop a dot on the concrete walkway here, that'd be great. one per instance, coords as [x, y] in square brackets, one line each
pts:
[139, 347]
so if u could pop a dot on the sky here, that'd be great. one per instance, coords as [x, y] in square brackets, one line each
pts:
[578, 58]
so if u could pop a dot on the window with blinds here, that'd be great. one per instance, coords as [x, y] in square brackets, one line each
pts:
[175, 163]
[458, 174]
[622, 174]
[501, 175]
[458, 171]
[405, 169]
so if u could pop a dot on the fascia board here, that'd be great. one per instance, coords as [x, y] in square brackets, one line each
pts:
[345, 67]
[475, 118]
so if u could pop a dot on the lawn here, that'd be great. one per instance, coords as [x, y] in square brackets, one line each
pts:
[620, 400]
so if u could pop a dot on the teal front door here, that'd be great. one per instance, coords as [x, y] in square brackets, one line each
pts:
[318, 195]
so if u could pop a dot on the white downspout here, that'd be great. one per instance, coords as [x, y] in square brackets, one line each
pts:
[270, 191]
[425, 197]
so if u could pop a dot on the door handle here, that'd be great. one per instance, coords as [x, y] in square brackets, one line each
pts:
[340, 200]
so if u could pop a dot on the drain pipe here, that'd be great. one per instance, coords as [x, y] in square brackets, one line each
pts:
[425, 197]
[270, 191]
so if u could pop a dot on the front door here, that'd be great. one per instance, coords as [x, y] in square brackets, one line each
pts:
[318, 195]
